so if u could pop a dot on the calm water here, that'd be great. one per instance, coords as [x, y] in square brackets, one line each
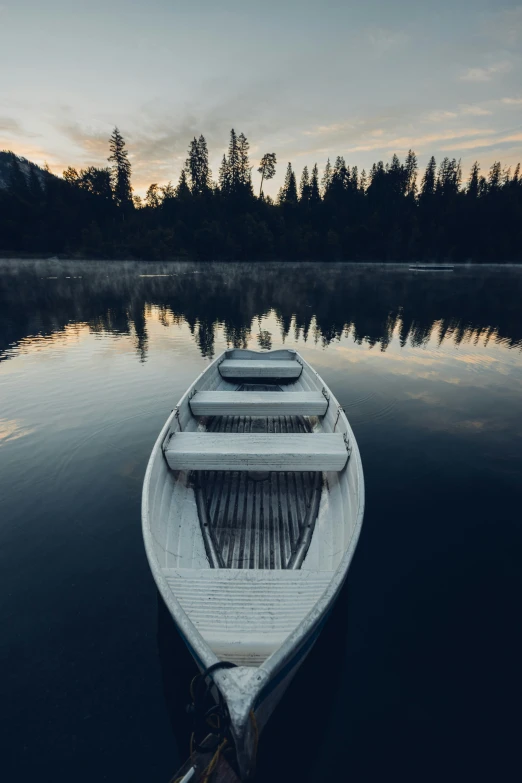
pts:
[416, 676]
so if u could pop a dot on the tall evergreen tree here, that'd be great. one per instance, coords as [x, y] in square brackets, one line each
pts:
[315, 191]
[192, 164]
[353, 183]
[233, 163]
[396, 177]
[410, 171]
[197, 166]
[473, 182]
[428, 180]
[245, 170]
[327, 178]
[304, 187]
[267, 168]
[121, 170]
[494, 179]
[183, 190]
[288, 193]
[224, 176]
[448, 178]
[338, 181]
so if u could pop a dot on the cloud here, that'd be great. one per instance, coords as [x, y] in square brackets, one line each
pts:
[486, 74]
[475, 111]
[512, 101]
[416, 142]
[326, 130]
[484, 142]
[440, 116]
[7, 124]
[466, 110]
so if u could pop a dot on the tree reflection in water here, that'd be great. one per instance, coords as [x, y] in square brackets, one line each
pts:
[319, 302]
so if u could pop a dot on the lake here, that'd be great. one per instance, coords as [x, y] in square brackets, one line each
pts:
[416, 675]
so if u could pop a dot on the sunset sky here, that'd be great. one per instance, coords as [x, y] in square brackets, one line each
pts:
[305, 80]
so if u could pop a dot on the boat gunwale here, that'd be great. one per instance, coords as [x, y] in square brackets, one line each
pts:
[296, 639]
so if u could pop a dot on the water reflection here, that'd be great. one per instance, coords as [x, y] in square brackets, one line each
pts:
[311, 302]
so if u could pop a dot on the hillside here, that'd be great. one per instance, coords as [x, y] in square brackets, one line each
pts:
[25, 166]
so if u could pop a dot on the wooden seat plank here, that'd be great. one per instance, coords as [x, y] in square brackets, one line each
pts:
[249, 368]
[237, 403]
[256, 451]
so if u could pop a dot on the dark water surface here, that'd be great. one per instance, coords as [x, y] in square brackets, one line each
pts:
[416, 676]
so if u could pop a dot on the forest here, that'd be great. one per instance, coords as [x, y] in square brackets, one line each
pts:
[393, 212]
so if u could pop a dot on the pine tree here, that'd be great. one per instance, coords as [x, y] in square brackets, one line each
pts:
[428, 180]
[495, 174]
[183, 190]
[224, 176]
[233, 163]
[315, 192]
[397, 177]
[267, 168]
[288, 193]
[197, 166]
[410, 168]
[327, 178]
[191, 165]
[121, 170]
[245, 170]
[205, 174]
[363, 182]
[338, 181]
[448, 178]
[473, 182]
[304, 187]
[354, 179]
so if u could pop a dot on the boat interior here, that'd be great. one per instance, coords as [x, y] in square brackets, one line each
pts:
[253, 500]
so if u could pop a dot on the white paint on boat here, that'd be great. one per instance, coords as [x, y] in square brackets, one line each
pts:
[264, 620]
[261, 403]
[256, 451]
[251, 368]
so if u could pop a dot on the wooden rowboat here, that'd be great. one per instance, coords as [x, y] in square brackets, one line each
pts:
[253, 502]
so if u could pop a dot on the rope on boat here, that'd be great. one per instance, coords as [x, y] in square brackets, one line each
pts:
[214, 719]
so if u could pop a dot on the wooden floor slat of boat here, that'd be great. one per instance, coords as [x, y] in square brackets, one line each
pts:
[256, 520]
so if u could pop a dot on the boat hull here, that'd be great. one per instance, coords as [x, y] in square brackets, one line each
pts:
[251, 691]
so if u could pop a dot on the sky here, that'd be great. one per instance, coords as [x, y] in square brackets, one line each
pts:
[305, 79]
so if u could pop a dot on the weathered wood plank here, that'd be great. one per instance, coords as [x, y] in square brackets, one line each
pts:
[256, 451]
[249, 368]
[236, 403]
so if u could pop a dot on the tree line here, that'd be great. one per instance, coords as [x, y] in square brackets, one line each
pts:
[393, 212]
